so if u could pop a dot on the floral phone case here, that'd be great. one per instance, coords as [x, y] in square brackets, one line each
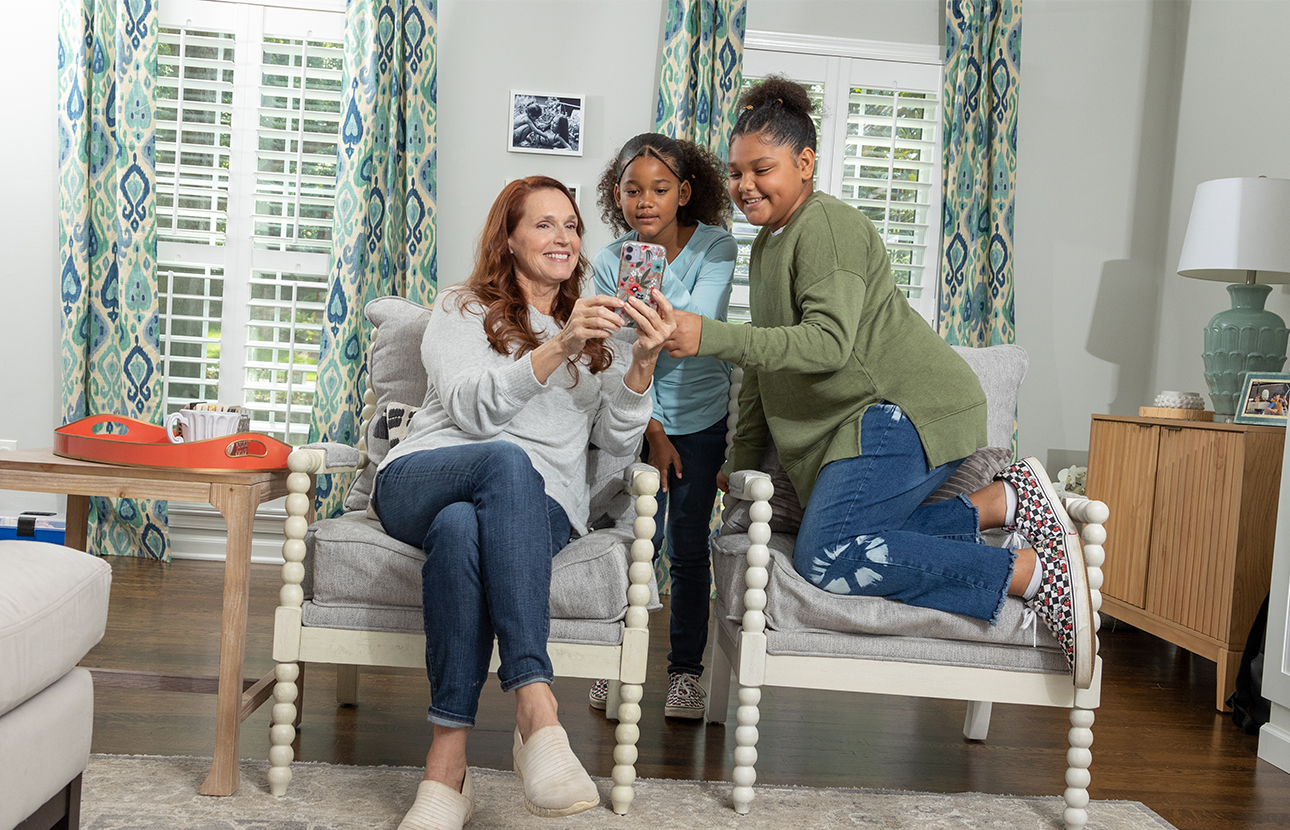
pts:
[640, 268]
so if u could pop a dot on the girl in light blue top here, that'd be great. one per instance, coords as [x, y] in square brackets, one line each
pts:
[673, 193]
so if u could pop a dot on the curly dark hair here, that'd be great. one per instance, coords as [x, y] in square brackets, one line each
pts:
[779, 109]
[709, 202]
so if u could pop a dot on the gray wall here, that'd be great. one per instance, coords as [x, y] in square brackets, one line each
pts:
[1125, 106]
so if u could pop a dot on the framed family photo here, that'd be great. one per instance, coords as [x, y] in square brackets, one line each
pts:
[543, 122]
[1264, 399]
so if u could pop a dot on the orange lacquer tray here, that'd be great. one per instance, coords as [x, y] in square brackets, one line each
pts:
[138, 444]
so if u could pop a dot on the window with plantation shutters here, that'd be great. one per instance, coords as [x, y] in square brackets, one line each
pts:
[878, 149]
[248, 116]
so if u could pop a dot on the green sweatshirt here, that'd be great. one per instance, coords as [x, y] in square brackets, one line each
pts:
[830, 336]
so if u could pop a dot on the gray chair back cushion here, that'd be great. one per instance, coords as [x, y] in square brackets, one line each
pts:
[396, 374]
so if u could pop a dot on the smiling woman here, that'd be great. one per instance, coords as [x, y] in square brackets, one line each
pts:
[491, 480]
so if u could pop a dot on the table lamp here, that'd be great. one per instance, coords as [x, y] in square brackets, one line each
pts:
[1239, 232]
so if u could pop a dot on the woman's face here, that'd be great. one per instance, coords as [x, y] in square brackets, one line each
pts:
[545, 244]
[768, 181]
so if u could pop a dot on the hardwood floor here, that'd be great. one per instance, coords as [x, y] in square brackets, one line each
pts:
[1156, 740]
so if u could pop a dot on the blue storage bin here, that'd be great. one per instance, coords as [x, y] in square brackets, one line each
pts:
[38, 527]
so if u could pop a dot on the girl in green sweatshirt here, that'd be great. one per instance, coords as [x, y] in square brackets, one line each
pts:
[870, 410]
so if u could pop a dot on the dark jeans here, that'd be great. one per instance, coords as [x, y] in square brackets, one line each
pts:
[865, 530]
[489, 531]
[687, 505]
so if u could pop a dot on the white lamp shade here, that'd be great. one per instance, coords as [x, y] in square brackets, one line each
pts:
[1238, 225]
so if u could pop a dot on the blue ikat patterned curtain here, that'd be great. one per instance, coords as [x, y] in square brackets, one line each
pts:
[701, 70]
[107, 238]
[384, 240]
[982, 74]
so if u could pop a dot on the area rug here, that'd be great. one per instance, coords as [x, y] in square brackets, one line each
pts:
[160, 793]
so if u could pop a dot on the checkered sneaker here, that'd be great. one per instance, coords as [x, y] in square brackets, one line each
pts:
[1040, 514]
[1063, 603]
[685, 697]
[598, 697]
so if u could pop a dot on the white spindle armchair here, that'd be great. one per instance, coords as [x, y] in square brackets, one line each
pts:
[351, 595]
[772, 626]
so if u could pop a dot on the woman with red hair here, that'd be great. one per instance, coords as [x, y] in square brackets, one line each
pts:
[523, 374]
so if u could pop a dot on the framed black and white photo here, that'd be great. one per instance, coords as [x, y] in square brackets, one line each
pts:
[574, 191]
[1264, 399]
[543, 122]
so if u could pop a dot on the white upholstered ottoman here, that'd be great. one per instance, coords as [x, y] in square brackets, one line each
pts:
[53, 609]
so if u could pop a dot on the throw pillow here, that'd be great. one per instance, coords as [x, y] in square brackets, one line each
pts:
[976, 471]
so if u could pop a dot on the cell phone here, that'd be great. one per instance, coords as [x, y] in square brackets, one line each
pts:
[640, 269]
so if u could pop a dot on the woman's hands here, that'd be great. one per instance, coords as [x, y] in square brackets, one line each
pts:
[592, 318]
[653, 328]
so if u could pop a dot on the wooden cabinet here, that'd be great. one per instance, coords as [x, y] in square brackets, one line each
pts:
[1193, 517]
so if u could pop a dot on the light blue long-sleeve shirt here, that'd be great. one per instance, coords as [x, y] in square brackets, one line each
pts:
[690, 393]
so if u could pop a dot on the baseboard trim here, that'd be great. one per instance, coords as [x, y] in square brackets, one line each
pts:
[1274, 738]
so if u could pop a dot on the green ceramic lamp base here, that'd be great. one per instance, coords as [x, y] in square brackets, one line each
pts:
[1244, 338]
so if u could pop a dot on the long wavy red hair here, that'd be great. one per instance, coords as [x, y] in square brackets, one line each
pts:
[493, 286]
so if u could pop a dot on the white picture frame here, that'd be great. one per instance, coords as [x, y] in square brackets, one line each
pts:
[548, 123]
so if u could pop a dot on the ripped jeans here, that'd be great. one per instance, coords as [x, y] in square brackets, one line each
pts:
[866, 532]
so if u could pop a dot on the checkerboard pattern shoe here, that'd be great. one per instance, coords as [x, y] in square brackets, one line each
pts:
[1064, 604]
[685, 697]
[598, 697]
[1040, 514]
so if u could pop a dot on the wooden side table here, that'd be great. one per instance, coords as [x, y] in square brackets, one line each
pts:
[1193, 517]
[236, 494]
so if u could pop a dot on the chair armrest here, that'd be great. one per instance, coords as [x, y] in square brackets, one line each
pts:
[327, 457]
[741, 484]
[640, 479]
[1090, 515]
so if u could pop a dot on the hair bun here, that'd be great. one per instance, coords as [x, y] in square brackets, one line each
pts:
[779, 90]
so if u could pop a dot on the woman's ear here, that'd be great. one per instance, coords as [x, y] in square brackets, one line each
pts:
[683, 194]
[806, 163]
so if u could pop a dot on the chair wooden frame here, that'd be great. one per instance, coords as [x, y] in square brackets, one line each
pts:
[740, 649]
[295, 643]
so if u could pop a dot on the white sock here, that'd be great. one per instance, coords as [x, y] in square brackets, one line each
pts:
[1033, 587]
[1010, 512]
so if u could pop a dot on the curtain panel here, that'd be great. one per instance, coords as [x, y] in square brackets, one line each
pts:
[384, 240]
[700, 71]
[107, 239]
[982, 73]
[700, 76]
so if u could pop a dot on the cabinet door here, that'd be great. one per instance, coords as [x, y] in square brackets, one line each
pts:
[1122, 473]
[1197, 515]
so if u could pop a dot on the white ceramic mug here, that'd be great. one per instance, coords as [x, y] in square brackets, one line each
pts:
[188, 425]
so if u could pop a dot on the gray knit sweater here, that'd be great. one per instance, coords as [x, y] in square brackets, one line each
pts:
[475, 394]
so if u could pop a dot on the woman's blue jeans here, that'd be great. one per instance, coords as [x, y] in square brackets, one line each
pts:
[866, 531]
[489, 531]
[688, 505]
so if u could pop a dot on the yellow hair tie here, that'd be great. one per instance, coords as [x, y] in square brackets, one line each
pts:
[750, 106]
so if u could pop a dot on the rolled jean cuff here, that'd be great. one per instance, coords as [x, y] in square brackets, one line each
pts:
[526, 679]
[1003, 598]
[447, 719]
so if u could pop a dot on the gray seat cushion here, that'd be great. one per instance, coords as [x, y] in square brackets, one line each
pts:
[363, 579]
[802, 619]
